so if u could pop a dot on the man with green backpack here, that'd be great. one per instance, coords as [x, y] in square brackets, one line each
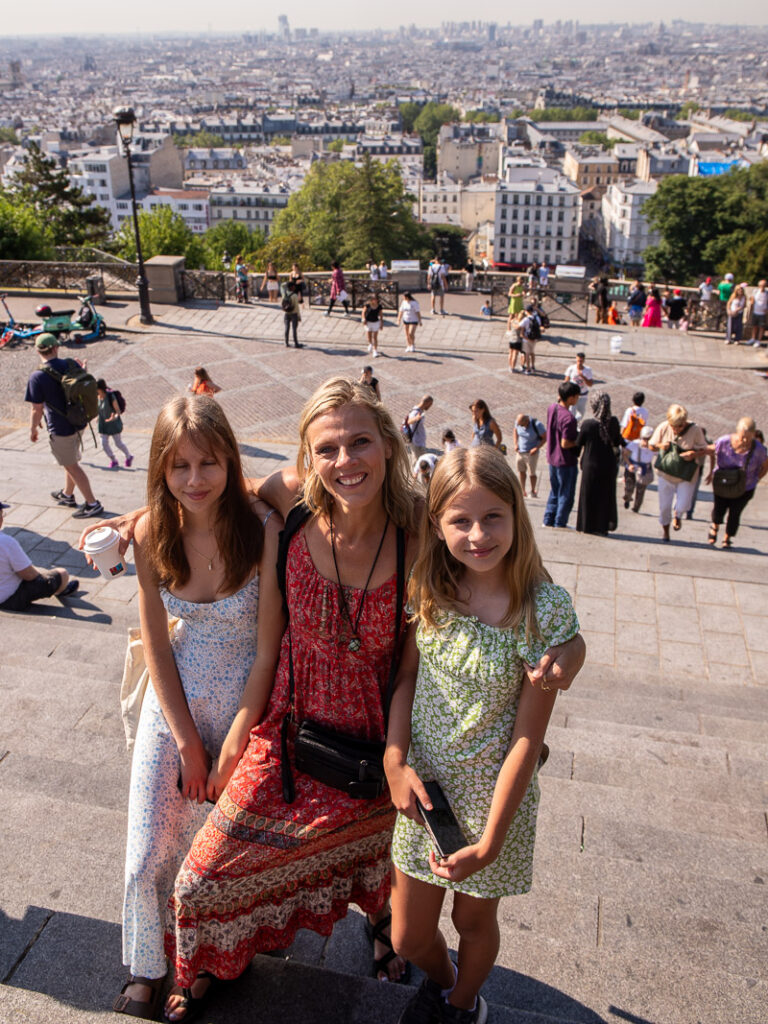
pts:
[64, 391]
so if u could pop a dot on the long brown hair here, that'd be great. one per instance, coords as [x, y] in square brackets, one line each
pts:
[480, 412]
[239, 532]
[436, 577]
[398, 494]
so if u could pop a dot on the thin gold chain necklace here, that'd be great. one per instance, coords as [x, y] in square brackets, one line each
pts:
[208, 559]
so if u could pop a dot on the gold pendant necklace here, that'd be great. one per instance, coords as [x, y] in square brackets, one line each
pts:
[199, 552]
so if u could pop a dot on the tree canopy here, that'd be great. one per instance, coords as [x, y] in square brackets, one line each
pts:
[564, 114]
[163, 233]
[351, 214]
[23, 234]
[71, 216]
[595, 138]
[202, 139]
[710, 224]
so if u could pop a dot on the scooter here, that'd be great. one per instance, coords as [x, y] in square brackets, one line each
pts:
[12, 332]
[61, 323]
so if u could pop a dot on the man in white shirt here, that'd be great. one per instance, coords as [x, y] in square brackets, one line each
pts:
[20, 582]
[705, 290]
[759, 303]
[581, 374]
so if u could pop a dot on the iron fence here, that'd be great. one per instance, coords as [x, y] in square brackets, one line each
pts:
[36, 276]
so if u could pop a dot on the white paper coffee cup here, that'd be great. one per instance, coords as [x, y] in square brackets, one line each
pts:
[103, 546]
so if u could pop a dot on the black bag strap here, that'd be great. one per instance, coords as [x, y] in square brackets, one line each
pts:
[296, 517]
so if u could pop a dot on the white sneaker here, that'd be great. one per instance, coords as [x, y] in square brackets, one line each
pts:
[375, 353]
[327, 313]
[370, 349]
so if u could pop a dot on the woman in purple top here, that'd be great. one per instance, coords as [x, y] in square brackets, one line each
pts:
[338, 289]
[740, 450]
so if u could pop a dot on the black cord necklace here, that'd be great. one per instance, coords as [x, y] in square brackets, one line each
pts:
[355, 643]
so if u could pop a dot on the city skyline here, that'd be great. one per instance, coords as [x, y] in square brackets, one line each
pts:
[87, 17]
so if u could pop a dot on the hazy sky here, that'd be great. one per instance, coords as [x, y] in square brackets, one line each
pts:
[81, 17]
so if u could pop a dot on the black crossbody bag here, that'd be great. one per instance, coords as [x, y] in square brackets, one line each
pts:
[347, 763]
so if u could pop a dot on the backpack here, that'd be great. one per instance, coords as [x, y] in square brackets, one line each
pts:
[287, 304]
[533, 333]
[435, 280]
[113, 393]
[407, 429]
[543, 319]
[632, 430]
[80, 396]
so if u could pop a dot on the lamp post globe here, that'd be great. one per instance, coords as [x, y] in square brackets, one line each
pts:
[125, 120]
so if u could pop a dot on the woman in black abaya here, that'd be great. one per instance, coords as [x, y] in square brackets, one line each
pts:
[599, 440]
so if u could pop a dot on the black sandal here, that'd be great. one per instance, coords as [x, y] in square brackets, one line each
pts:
[712, 535]
[379, 932]
[145, 1008]
[193, 1006]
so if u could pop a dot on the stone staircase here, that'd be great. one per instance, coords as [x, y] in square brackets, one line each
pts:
[649, 901]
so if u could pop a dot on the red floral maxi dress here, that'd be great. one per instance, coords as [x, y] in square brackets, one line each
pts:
[260, 869]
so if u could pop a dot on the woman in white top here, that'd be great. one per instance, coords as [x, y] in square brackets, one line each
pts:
[409, 315]
[735, 308]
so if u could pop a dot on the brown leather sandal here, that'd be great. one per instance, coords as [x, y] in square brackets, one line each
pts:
[145, 1008]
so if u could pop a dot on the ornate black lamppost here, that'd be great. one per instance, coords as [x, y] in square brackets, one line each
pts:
[125, 119]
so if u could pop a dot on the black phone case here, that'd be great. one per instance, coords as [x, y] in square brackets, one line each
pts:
[441, 822]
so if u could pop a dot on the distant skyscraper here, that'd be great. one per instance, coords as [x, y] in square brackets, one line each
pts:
[283, 28]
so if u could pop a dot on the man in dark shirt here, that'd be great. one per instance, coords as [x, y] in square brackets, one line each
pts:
[46, 396]
[562, 455]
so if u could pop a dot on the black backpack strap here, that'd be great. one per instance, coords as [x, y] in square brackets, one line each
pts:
[295, 519]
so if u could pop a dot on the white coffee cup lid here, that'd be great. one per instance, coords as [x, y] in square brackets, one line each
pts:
[101, 539]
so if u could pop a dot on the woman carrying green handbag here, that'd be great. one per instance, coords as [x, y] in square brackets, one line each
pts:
[681, 446]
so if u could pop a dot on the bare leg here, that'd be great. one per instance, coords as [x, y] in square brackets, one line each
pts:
[475, 921]
[415, 927]
[76, 478]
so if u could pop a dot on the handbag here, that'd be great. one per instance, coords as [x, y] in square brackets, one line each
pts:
[347, 763]
[135, 681]
[343, 296]
[731, 481]
[673, 464]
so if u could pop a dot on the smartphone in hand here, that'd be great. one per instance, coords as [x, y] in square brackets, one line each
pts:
[441, 823]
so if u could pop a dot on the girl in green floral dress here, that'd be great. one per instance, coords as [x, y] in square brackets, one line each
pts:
[464, 714]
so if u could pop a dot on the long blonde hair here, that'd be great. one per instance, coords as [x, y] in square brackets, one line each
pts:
[238, 530]
[436, 577]
[398, 494]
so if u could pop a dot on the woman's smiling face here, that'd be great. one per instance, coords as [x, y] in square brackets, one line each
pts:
[349, 455]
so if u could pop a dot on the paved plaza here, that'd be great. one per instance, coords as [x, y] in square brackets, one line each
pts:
[649, 902]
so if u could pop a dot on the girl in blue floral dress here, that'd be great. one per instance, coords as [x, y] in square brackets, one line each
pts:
[465, 715]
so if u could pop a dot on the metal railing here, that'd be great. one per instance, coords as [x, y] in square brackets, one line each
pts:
[36, 276]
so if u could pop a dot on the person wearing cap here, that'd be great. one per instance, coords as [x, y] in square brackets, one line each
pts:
[706, 288]
[676, 308]
[638, 468]
[725, 288]
[21, 582]
[46, 396]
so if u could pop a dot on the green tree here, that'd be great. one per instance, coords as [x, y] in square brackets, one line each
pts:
[199, 140]
[739, 115]
[350, 214]
[71, 216]
[481, 117]
[231, 237]
[705, 221]
[688, 108]
[595, 138]
[443, 240]
[408, 113]
[336, 146]
[163, 233]
[23, 235]
[564, 114]
[748, 259]
[630, 113]
[283, 250]
[9, 135]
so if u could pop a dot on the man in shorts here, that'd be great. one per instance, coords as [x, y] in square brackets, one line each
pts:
[46, 396]
[530, 434]
[20, 582]
[436, 278]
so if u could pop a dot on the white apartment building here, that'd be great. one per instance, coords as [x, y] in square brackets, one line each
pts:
[255, 203]
[537, 217]
[626, 232]
[190, 204]
[450, 202]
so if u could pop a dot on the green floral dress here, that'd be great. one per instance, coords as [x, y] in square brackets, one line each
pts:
[467, 692]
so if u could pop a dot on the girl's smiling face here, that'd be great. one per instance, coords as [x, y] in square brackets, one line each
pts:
[195, 478]
[477, 528]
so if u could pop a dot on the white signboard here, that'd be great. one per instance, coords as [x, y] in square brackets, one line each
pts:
[404, 265]
[574, 273]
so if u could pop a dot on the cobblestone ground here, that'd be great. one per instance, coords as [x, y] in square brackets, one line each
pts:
[652, 850]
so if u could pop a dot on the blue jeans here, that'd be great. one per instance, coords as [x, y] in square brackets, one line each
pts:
[562, 484]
